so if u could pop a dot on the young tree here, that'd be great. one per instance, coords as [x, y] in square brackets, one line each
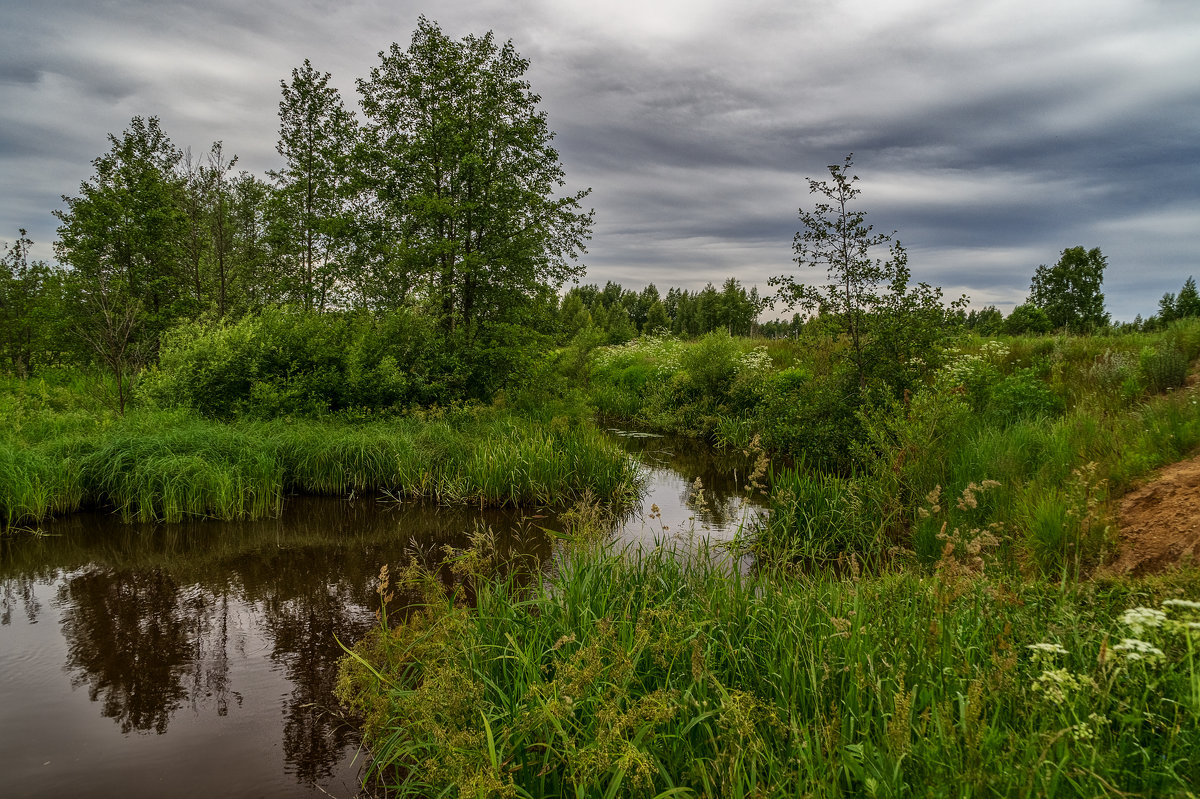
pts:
[222, 225]
[985, 322]
[657, 320]
[645, 302]
[1027, 319]
[1069, 292]
[1166, 308]
[461, 161]
[122, 238]
[26, 305]
[317, 136]
[867, 299]
[1187, 304]
[258, 263]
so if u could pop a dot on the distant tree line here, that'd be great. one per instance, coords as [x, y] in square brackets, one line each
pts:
[621, 314]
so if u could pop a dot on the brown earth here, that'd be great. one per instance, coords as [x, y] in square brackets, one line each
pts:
[1160, 522]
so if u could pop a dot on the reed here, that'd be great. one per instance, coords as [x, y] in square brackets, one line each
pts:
[187, 469]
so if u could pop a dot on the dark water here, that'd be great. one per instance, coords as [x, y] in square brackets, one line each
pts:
[199, 659]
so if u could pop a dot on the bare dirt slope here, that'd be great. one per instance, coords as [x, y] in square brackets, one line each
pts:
[1160, 522]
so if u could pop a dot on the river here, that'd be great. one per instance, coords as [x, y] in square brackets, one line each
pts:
[198, 659]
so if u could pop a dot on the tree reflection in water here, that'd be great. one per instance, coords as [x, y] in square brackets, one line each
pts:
[158, 618]
[18, 591]
[129, 642]
[723, 475]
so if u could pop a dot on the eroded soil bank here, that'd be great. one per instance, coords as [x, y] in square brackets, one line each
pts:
[1160, 522]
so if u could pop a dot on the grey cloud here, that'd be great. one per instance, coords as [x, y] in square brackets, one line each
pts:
[990, 136]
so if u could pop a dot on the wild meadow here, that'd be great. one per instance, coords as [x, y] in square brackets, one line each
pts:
[925, 610]
[617, 674]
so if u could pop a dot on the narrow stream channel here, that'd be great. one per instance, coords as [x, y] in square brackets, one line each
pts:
[198, 660]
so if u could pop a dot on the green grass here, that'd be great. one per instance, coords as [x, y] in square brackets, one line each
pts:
[167, 466]
[662, 676]
[1059, 474]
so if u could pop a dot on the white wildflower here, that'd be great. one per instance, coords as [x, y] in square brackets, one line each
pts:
[756, 360]
[1140, 619]
[1181, 604]
[1058, 684]
[1134, 649]
[1050, 649]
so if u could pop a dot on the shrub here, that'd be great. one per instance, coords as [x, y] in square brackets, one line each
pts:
[811, 417]
[1027, 319]
[712, 363]
[289, 362]
[1022, 395]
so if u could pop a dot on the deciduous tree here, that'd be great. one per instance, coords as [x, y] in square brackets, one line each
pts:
[122, 238]
[1069, 292]
[317, 138]
[461, 160]
[866, 299]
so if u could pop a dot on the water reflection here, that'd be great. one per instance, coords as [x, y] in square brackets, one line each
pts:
[715, 507]
[129, 641]
[18, 592]
[213, 647]
[156, 620]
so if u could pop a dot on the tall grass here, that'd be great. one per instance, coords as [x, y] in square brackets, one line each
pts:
[167, 466]
[662, 676]
[1058, 473]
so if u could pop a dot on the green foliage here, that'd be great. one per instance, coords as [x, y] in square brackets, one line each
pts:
[712, 363]
[655, 676]
[312, 200]
[121, 238]
[284, 362]
[1023, 395]
[1069, 292]
[811, 417]
[167, 466]
[1027, 319]
[459, 160]
[289, 362]
[890, 328]
[34, 329]
[1185, 306]
[815, 520]
[1115, 378]
[986, 322]
[121, 235]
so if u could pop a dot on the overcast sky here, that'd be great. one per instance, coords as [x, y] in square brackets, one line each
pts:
[990, 134]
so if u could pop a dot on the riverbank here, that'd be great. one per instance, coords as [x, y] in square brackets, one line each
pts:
[662, 676]
[60, 454]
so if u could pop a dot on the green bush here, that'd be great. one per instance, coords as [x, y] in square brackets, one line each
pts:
[1022, 395]
[712, 364]
[814, 418]
[286, 362]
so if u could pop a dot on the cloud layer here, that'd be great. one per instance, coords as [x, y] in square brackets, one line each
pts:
[990, 135]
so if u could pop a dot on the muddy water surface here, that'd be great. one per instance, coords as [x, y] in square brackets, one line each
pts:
[198, 659]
